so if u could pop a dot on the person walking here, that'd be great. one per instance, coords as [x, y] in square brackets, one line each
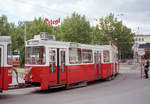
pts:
[146, 69]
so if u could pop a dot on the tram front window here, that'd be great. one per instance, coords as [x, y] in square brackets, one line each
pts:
[35, 55]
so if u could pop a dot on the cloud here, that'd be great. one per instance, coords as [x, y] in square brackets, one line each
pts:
[136, 12]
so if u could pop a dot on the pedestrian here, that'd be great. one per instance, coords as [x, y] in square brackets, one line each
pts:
[146, 69]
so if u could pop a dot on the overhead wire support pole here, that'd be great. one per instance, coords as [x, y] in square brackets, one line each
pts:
[25, 32]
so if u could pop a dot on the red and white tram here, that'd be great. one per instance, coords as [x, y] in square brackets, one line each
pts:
[5, 62]
[50, 63]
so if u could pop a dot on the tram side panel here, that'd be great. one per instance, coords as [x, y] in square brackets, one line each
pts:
[92, 73]
[106, 70]
[5, 66]
[5, 77]
[81, 67]
[77, 73]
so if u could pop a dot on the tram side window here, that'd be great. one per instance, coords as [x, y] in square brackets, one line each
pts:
[9, 54]
[87, 56]
[52, 60]
[35, 55]
[106, 56]
[63, 61]
[75, 55]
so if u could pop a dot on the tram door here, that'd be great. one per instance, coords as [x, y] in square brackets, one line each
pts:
[1, 65]
[62, 65]
[57, 66]
[97, 60]
[100, 64]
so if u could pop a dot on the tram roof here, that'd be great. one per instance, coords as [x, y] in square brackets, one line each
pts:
[34, 42]
[53, 43]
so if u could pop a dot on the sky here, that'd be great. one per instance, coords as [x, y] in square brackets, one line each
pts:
[134, 13]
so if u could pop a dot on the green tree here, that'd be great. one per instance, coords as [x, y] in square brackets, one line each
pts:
[4, 26]
[37, 26]
[113, 30]
[99, 37]
[76, 29]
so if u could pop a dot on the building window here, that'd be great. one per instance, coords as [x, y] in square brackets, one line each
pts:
[142, 39]
[139, 39]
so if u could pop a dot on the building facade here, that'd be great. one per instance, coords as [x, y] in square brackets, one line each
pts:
[141, 42]
[142, 39]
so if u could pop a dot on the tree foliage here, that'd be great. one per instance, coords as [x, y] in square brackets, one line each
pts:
[5, 27]
[110, 29]
[76, 29]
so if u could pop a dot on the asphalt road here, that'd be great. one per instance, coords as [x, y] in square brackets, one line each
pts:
[126, 88]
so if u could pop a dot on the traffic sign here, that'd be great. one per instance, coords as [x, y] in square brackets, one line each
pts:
[141, 52]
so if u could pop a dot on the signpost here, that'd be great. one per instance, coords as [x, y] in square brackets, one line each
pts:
[141, 53]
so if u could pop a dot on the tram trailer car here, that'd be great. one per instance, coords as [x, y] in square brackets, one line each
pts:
[5, 62]
[110, 65]
[51, 64]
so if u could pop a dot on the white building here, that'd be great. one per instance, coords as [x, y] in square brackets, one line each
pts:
[142, 39]
[141, 42]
